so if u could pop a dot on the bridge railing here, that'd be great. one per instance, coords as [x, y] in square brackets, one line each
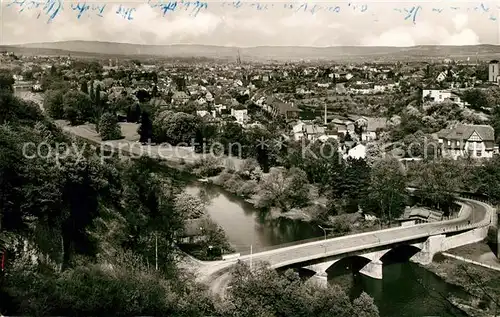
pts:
[447, 226]
[256, 249]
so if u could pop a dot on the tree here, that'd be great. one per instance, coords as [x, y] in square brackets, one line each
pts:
[146, 128]
[262, 144]
[109, 128]
[230, 136]
[84, 88]
[248, 167]
[297, 189]
[355, 183]
[133, 113]
[175, 128]
[180, 83]
[215, 237]
[77, 107]
[122, 104]
[387, 191]
[373, 153]
[91, 91]
[189, 206]
[364, 306]
[284, 189]
[486, 179]
[150, 212]
[98, 97]
[6, 81]
[53, 103]
[437, 182]
[143, 95]
[53, 70]
[476, 98]
[495, 121]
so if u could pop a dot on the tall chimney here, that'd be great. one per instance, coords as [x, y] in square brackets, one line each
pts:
[326, 113]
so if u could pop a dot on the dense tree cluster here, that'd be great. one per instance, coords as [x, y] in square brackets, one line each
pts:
[264, 292]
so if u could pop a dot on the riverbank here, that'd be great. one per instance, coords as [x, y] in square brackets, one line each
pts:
[483, 284]
[315, 212]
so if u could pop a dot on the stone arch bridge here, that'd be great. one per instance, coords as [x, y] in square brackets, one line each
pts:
[418, 243]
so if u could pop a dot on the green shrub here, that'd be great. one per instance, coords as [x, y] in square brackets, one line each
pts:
[109, 128]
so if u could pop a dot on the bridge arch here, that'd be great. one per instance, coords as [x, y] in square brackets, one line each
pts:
[400, 253]
[349, 264]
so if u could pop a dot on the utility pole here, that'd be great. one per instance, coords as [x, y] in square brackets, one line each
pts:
[324, 230]
[251, 256]
[326, 113]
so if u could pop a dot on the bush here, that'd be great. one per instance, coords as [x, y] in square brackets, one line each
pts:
[233, 184]
[88, 290]
[341, 225]
[248, 189]
[109, 128]
[248, 167]
[223, 177]
[207, 167]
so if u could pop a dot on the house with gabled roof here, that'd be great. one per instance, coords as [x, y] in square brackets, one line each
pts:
[372, 129]
[312, 132]
[276, 108]
[468, 140]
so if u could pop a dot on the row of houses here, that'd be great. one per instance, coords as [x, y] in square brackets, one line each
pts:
[463, 140]
[360, 128]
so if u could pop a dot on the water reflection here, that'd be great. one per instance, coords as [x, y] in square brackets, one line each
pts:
[245, 225]
[407, 290]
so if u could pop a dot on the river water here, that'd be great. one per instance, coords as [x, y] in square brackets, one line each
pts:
[407, 290]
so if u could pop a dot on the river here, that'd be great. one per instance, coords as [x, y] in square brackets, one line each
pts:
[407, 289]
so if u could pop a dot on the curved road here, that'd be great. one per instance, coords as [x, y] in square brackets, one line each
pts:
[473, 214]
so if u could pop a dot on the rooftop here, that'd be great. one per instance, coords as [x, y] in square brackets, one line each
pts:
[464, 132]
[422, 213]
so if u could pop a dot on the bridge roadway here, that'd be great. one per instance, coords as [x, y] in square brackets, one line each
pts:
[473, 214]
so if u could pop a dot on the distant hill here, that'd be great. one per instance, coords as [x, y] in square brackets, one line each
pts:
[261, 53]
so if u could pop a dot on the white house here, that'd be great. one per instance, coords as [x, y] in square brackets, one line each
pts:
[441, 96]
[475, 141]
[203, 113]
[436, 95]
[357, 152]
[442, 76]
[297, 131]
[241, 115]
[327, 137]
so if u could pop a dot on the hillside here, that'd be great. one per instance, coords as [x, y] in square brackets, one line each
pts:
[261, 53]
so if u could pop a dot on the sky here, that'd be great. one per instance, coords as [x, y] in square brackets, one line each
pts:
[249, 23]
